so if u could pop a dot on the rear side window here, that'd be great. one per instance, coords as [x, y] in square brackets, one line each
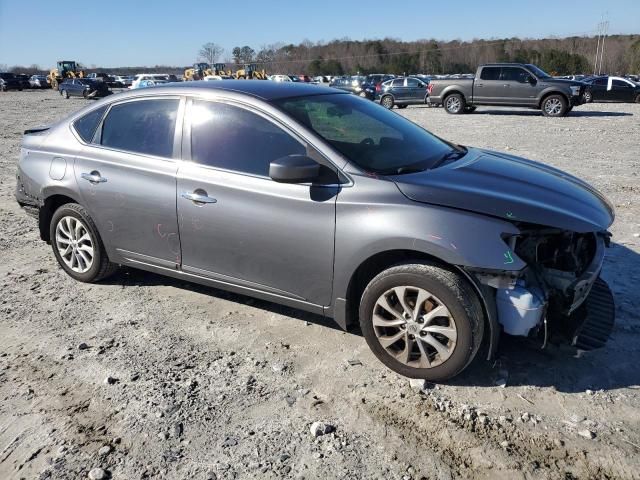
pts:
[87, 124]
[490, 73]
[143, 126]
[230, 137]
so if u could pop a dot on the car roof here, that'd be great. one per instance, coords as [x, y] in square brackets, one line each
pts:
[264, 89]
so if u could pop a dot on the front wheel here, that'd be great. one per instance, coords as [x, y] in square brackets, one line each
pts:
[65, 94]
[455, 104]
[554, 106]
[77, 245]
[588, 97]
[422, 321]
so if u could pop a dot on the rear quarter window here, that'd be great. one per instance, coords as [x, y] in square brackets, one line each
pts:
[86, 125]
[490, 73]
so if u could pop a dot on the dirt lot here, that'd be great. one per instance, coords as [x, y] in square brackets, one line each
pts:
[148, 377]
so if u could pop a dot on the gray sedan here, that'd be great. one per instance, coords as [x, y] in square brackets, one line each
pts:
[320, 200]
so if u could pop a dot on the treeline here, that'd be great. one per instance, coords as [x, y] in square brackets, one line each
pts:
[558, 56]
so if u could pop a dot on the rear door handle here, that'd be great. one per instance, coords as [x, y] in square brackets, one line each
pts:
[479, 85]
[199, 197]
[93, 177]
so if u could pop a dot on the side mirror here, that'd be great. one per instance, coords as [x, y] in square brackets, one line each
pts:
[532, 80]
[294, 169]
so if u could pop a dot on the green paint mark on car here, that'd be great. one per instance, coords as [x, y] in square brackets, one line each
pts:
[507, 257]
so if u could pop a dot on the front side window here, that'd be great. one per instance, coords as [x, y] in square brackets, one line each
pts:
[367, 134]
[144, 126]
[413, 82]
[87, 124]
[514, 74]
[233, 138]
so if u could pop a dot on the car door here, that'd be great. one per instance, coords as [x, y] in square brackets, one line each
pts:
[488, 88]
[599, 89]
[399, 90]
[517, 88]
[416, 91]
[126, 173]
[621, 91]
[237, 225]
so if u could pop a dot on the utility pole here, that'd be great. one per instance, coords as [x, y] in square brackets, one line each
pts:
[595, 62]
[605, 29]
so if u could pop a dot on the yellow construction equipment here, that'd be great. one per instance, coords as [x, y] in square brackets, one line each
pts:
[201, 70]
[65, 69]
[250, 72]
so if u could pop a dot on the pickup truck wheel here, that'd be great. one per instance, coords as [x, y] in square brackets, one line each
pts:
[422, 321]
[77, 245]
[454, 103]
[588, 97]
[387, 102]
[554, 106]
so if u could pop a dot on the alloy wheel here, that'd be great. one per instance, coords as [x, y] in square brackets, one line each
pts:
[387, 102]
[453, 104]
[553, 106]
[414, 327]
[74, 244]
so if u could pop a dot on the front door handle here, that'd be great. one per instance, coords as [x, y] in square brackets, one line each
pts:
[479, 85]
[199, 196]
[93, 177]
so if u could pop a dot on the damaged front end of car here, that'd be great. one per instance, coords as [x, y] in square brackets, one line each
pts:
[559, 296]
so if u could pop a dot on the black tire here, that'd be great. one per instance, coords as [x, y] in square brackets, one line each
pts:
[387, 102]
[453, 291]
[469, 109]
[637, 99]
[588, 97]
[64, 94]
[554, 105]
[454, 104]
[101, 267]
[569, 109]
[84, 94]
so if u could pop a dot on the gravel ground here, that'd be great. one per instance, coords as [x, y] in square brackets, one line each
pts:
[147, 377]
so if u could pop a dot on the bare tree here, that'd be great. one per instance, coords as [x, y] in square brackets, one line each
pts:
[210, 52]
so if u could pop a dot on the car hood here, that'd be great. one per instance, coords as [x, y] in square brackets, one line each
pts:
[562, 81]
[512, 188]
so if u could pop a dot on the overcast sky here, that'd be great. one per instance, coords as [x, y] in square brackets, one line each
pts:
[170, 32]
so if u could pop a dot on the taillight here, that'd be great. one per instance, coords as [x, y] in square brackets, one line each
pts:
[378, 87]
[429, 88]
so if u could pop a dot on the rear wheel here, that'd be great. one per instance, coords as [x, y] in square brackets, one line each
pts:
[387, 102]
[554, 106]
[422, 321]
[77, 245]
[64, 93]
[454, 103]
[588, 97]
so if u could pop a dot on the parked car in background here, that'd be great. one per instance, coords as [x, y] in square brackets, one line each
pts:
[611, 89]
[147, 76]
[320, 79]
[83, 87]
[352, 84]
[212, 78]
[508, 84]
[39, 81]
[109, 80]
[280, 78]
[429, 247]
[173, 78]
[402, 92]
[8, 81]
[152, 83]
[125, 80]
[24, 80]
[295, 78]
[371, 84]
[304, 78]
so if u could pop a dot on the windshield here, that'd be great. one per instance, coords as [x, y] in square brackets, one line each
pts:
[372, 137]
[537, 71]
